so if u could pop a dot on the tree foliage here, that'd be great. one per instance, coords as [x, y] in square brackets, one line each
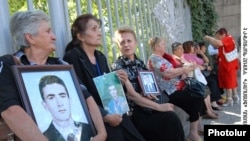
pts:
[203, 17]
[141, 11]
[17, 5]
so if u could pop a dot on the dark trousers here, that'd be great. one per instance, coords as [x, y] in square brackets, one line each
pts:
[212, 83]
[192, 106]
[158, 126]
[126, 131]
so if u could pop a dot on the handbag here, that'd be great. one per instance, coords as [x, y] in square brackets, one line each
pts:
[230, 56]
[195, 88]
[198, 75]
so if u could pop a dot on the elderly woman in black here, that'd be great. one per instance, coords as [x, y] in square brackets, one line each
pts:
[32, 34]
[88, 63]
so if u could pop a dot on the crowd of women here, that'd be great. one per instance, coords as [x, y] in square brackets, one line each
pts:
[150, 120]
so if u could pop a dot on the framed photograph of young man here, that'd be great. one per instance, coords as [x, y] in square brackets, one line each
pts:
[52, 96]
[111, 93]
[148, 83]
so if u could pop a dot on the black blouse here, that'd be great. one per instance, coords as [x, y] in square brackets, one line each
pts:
[132, 68]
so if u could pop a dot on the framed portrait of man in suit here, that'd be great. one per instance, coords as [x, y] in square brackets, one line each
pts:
[148, 83]
[52, 96]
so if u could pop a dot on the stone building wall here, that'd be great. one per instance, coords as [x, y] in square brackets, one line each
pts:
[229, 12]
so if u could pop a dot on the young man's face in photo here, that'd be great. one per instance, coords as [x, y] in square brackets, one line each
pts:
[56, 101]
[112, 91]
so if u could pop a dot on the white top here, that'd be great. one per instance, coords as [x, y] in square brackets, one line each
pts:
[212, 50]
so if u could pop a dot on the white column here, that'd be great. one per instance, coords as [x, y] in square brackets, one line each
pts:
[59, 18]
[6, 45]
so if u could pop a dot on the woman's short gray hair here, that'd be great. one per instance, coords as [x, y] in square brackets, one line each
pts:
[25, 22]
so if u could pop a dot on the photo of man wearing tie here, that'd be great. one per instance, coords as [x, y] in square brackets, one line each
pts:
[148, 83]
[57, 102]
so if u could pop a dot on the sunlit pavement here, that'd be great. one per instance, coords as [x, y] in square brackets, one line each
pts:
[228, 115]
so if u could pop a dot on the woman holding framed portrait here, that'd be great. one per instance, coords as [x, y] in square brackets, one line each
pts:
[82, 52]
[146, 112]
[33, 36]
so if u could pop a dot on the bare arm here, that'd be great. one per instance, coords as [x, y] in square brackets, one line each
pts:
[204, 57]
[215, 42]
[138, 98]
[145, 102]
[97, 120]
[22, 124]
[171, 73]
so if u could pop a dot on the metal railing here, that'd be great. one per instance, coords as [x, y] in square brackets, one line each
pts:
[136, 13]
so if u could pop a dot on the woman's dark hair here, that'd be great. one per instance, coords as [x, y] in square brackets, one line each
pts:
[202, 44]
[80, 26]
[196, 45]
[221, 31]
[187, 46]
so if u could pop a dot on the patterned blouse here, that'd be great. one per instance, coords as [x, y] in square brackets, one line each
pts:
[132, 68]
[159, 65]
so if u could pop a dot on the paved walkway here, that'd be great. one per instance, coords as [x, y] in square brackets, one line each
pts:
[227, 116]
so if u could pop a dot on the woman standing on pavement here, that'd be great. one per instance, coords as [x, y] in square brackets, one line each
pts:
[227, 71]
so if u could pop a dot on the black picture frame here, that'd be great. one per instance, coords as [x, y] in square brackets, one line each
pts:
[27, 79]
[147, 77]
